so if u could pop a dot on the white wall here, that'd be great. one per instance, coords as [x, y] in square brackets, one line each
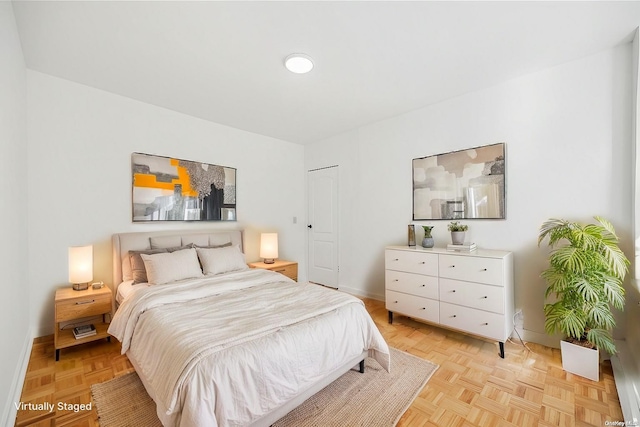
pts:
[79, 184]
[14, 304]
[567, 133]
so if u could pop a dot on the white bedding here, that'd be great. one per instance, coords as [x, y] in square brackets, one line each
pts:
[226, 350]
[126, 288]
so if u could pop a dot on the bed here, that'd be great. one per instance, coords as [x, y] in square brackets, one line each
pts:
[229, 345]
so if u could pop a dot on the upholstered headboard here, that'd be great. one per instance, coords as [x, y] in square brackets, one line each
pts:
[125, 242]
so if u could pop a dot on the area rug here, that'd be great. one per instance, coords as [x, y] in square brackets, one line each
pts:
[373, 398]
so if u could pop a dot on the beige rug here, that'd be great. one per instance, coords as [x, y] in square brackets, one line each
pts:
[375, 398]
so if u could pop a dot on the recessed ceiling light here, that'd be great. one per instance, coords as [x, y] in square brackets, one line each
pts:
[298, 63]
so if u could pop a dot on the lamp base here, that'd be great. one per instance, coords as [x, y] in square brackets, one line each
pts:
[269, 260]
[80, 286]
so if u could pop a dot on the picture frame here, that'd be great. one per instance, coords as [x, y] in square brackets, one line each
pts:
[463, 184]
[172, 189]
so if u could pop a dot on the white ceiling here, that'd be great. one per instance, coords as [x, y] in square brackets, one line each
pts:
[223, 61]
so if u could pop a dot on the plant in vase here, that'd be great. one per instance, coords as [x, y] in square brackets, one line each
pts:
[427, 241]
[458, 231]
[585, 274]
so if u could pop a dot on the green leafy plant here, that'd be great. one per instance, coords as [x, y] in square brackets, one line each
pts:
[585, 274]
[456, 226]
[427, 230]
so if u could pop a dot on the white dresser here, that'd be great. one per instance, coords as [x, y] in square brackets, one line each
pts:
[466, 291]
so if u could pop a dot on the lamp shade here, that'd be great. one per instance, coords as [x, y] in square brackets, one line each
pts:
[269, 246]
[81, 264]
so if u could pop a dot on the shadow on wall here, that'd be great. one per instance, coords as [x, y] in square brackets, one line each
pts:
[529, 262]
[374, 280]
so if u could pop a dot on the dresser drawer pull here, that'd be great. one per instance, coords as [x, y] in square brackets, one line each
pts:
[485, 324]
[484, 269]
[423, 286]
[396, 259]
[452, 266]
[396, 280]
[423, 262]
[485, 297]
[85, 302]
[454, 316]
[423, 308]
[395, 302]
[453, 290]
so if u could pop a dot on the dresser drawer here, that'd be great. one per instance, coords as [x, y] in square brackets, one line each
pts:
[411, 283]
[412, 262]
[83, 306]
[483, 323]
[472, 269]
[475, 295]
[412, 306]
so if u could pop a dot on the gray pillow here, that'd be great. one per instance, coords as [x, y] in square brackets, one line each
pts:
[138, 271]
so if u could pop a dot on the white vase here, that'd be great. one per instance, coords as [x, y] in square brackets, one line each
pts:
[457, 237]
[580, 360]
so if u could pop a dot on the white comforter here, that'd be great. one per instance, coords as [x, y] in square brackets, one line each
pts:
[225, 350]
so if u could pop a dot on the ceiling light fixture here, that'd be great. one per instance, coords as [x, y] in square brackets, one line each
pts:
[298, 63]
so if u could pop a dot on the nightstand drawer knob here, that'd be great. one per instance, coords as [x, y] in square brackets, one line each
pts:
[85, 302]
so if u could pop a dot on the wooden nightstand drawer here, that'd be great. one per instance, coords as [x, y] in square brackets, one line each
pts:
[86, 306]
[287, 268]
[291, 271]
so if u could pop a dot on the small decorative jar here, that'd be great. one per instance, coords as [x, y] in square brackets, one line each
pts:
[427, 241]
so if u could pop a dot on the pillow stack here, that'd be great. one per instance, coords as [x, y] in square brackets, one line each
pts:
[165, 265]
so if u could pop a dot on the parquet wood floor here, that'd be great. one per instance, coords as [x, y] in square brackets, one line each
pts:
[472, 387]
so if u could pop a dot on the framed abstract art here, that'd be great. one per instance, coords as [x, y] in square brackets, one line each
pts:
[170, 189]
[463, 184]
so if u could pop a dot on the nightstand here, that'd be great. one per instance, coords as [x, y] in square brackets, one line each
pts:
[288, 268]
[71, 305]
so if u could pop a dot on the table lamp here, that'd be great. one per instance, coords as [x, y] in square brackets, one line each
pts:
[80, 266]
[269, 247]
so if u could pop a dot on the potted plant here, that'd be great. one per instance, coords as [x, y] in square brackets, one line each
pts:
[458, 232]
[585, 274]
[427, 241]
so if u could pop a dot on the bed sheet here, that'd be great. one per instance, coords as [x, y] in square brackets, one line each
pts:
[126, 288]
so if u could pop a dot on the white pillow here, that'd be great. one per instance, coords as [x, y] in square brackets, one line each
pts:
[171, 266]
[222, 260]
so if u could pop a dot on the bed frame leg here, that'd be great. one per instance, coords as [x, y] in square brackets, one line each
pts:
[362, 366]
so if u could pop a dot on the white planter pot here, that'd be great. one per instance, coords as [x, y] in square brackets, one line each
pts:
[457, 237]
[580, 360]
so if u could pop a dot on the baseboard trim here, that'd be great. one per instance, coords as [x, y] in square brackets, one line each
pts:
[627, 382]
[10, 410]
[361, 293]
[538, 338]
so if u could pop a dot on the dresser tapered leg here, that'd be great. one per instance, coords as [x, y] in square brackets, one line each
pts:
[502, 350]
[390, 316]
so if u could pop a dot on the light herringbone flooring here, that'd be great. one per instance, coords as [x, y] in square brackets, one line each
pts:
[472, 387]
